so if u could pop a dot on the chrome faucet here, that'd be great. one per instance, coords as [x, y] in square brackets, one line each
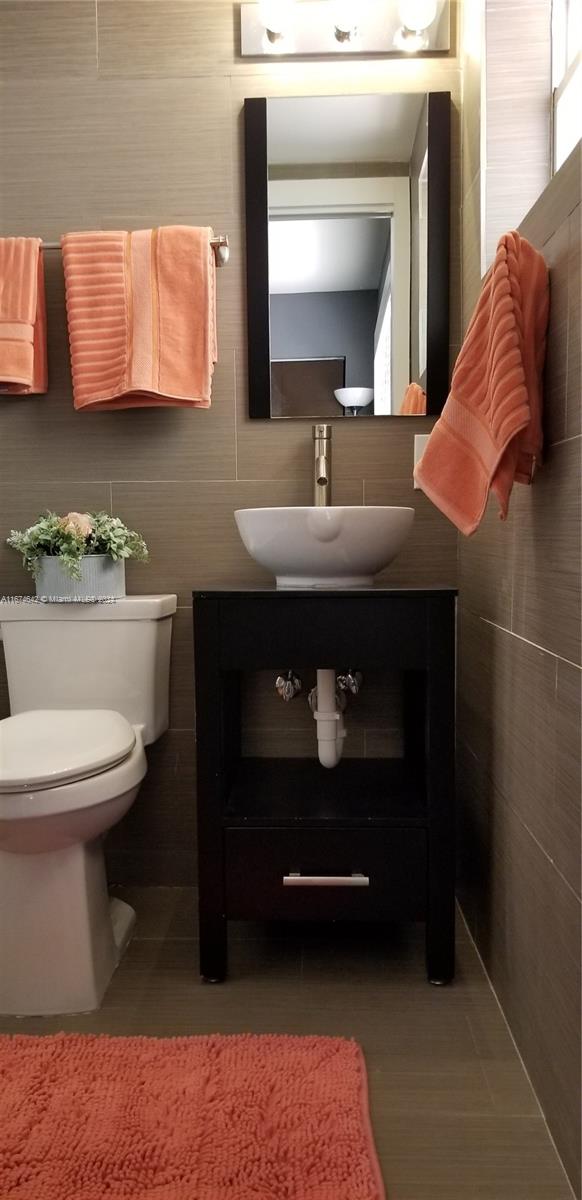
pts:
[322, 465]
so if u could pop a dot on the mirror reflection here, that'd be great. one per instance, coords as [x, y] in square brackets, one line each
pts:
[348, 292]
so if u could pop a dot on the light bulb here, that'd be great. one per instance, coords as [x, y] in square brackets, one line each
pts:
[345, 20]
[275, 15]
[275, 43]
[410, 42]
[417, 15]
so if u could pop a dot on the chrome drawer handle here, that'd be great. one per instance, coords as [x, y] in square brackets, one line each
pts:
[296, 879]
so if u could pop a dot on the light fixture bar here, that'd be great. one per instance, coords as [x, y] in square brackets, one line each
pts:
[311, 31]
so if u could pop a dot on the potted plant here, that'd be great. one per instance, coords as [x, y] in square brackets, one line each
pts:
[80, 556]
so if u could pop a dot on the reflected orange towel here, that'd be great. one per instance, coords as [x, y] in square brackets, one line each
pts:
[23, 362]
[142, 317]
[414, 402]
[490, 431]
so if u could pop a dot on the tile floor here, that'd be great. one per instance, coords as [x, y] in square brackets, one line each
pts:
[453, 1112]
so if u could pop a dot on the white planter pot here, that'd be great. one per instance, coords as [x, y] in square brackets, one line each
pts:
[101, 579]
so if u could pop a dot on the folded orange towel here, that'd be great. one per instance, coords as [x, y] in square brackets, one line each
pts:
[23, 363]
[142, 317]
[490, 431]
[414, 402]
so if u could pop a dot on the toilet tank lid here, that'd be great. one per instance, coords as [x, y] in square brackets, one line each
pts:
[128, 608]
[47, 747]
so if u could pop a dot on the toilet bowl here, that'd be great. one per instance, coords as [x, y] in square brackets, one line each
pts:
[65, 778]
[88, 688]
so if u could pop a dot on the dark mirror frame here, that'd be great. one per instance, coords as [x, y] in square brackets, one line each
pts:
[257, 246]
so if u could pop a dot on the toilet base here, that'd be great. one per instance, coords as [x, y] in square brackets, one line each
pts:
[61, 938]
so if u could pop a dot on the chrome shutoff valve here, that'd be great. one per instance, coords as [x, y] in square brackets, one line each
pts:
[350, 682]
[288, 685]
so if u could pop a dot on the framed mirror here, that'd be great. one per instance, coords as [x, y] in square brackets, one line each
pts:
[347, 227]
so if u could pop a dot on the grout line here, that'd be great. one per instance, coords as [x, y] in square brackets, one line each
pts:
[97, 36]
[508, 804]
[180, 482]
[262, 729]
[67, 483]
[485, 1076]
[110, 483]
[562, 441]
[543, 850]
[536, 645]
[515, 1046]
[164, 937]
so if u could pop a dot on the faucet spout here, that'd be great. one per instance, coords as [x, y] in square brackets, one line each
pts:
[322, 465]
[321, 470]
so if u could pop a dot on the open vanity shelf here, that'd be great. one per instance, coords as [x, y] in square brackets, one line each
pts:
[300, 792]
[375, 837]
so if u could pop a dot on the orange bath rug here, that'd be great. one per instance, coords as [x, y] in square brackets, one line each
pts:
[203, 1118]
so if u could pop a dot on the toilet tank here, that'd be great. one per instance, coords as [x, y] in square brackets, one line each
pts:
[108, 655]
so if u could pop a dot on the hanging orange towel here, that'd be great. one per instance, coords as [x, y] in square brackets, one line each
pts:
[414, 402]
[141, 312]
[23, 362]
[490, 431]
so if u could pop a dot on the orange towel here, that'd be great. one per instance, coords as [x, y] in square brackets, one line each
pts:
[490, 431]
[414, 402]
[142, 317]
[23, 362]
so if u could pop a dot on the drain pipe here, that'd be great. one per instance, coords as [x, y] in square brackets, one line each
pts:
[330, 721]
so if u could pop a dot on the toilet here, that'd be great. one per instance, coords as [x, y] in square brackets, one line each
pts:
[88, 686]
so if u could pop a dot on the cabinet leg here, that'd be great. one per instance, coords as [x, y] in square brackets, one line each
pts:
[213, 948]
[440, 948]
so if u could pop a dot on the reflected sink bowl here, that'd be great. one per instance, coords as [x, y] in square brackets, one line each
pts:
[324, 547]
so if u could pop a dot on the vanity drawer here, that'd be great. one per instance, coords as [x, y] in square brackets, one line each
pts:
[353, 874]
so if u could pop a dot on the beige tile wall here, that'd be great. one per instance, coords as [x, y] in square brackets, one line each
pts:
[517, 135]
[472, 35]
[519, 696]
[505, 126]
[128, 114]
[519, 630]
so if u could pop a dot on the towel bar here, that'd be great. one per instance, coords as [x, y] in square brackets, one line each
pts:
[219, 245]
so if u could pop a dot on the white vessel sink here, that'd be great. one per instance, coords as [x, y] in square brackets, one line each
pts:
[324, 547]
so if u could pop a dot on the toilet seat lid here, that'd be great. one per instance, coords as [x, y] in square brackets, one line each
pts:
[44, 748]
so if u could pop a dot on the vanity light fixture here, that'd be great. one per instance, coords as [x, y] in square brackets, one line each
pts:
[417, 15]
[308, 28]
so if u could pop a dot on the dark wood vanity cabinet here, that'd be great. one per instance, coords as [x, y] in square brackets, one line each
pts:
[376, 836]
